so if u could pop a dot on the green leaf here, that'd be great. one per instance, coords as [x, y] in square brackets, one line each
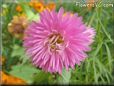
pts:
[24, 58]
[25, 72]
[66, 75]
[36, 17]
[95, 73]
[41, 78]
[97, 49]
[105, 31]
[17, 51]
[109, 54]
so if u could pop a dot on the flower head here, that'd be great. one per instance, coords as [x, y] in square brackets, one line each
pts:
[51, 6]
[18, 8]
[38, 6]
[17, 26]
[58, 41]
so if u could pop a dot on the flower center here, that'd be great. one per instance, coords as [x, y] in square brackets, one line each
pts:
[55, 41]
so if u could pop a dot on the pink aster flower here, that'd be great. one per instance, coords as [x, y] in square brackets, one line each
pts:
[58, 41]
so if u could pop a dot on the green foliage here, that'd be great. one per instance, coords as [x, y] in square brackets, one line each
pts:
[41, 78]
[19, 52]
[98, 68]
[26, 72]
[65, 77]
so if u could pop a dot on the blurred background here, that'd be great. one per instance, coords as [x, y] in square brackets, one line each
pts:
[98, 68]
